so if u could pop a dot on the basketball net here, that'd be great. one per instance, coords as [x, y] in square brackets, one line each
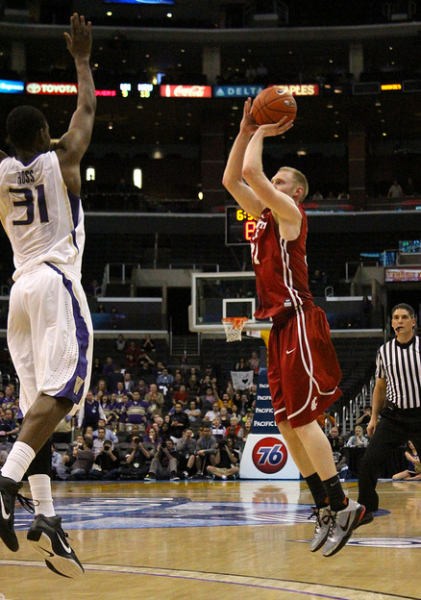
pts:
[233, 327]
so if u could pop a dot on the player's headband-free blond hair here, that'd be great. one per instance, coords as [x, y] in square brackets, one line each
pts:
[299, 178]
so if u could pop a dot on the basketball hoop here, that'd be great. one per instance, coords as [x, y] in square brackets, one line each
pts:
[233, 327]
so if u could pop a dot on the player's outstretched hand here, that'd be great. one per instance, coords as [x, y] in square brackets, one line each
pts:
[79, 42]
[248, 124]
[278, 128]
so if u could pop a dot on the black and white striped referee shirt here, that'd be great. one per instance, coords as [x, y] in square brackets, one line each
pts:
[400, 365]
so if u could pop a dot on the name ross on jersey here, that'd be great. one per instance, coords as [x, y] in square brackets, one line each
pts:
[26, 176]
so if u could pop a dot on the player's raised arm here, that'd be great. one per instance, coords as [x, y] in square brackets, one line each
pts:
[233, 179]
[280, 203]
[73, 144]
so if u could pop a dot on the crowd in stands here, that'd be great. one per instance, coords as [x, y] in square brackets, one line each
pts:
[144, 421]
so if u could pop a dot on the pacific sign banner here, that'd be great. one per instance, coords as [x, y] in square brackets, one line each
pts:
[265, 455]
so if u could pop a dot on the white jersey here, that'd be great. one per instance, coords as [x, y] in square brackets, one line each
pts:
[42, 218]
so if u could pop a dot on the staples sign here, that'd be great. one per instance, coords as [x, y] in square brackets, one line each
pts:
[186, 91]
[61, 89]
[311, 89]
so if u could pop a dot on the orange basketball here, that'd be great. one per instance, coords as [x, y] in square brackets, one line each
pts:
[272, 104]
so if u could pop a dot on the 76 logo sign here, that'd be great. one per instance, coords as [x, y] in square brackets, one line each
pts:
[270, 455]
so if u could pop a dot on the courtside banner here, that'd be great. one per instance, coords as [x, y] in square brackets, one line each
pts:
[11, 87]
[185, 91]
[51, 89]
[265, 455]
[237, 91]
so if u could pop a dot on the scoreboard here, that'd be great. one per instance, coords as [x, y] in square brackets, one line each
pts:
[239, 226]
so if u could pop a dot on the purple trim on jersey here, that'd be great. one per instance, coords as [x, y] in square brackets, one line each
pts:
[82, 336]
[75, 208]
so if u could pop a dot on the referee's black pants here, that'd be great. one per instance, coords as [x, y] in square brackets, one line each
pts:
[394, 429]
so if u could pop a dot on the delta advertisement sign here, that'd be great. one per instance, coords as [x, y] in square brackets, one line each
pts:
[245, 91]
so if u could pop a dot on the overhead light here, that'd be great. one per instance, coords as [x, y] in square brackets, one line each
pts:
[301, 152]
[137, 178]
[90, 174]
[109, 14]
[110, 125]
[169, 15]
[200, 195]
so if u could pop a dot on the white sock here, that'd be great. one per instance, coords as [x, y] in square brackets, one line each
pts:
[18, 461]
[41, 493]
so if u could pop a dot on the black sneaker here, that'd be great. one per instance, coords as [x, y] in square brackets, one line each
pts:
[48, 539]
[8, 495]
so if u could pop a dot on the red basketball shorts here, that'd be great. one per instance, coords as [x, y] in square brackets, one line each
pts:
[303, 369]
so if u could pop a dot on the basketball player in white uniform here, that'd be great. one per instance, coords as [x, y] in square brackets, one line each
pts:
[50, 330]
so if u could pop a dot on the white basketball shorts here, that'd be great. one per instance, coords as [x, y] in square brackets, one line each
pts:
[50, 335]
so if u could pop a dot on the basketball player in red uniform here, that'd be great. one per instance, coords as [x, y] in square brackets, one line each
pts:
[303, 369]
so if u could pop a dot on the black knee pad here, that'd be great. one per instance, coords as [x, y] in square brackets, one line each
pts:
[41, 465]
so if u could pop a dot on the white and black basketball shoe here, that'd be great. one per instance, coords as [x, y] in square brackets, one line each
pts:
[48, 539]
[343, 523]
[321, 530]
[9, 493]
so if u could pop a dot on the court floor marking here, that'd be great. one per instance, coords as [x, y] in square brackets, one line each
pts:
[294, 587]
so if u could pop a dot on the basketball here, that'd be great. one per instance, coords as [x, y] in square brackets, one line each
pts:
[272, 104]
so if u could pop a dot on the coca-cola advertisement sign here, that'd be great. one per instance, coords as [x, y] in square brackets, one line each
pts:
[62, 89]
[186, 91]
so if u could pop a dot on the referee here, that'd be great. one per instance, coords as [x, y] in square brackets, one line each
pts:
[397, 399]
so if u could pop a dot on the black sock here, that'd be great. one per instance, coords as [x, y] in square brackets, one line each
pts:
[318, 490]
[335, 493]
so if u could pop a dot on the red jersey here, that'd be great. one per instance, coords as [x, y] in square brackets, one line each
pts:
[281, 269]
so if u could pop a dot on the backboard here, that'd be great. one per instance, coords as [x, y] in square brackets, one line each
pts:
[218, 295]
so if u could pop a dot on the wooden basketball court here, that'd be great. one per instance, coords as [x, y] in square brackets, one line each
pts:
[210, 540]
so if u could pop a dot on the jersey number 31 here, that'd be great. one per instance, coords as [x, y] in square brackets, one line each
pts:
[28, 203]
